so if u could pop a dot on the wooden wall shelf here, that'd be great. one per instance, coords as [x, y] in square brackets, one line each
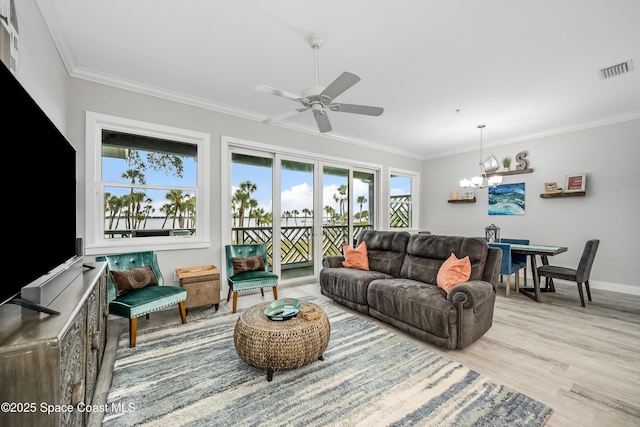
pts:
[513, 172]
[574, 194]
[462, 200]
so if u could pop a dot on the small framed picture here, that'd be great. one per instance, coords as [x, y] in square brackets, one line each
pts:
[550, 187]
[576, 182]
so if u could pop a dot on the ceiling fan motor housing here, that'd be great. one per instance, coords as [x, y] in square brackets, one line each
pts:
[313, 98]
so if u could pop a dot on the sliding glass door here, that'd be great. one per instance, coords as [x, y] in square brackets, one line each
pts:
[301, 208]
[297, 225]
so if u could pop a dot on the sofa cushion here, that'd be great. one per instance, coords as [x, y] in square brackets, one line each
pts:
[385, 249]
[355, 258]
[418, 304]
[453, 272]
[349, 283]
[427, 252]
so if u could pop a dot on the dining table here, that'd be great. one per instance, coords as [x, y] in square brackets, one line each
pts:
[544, 252]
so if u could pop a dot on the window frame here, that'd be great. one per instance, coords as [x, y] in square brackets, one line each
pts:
[415, 199]
[95, 242]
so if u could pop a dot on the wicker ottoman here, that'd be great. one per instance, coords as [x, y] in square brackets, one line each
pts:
[280, 345]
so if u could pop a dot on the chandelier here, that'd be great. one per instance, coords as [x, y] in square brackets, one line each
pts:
[481, 181]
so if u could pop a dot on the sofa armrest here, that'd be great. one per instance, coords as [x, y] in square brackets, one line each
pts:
[332, 261]
[471, 294]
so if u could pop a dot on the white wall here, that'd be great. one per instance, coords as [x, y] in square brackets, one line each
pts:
[40, 69]
[609, 212]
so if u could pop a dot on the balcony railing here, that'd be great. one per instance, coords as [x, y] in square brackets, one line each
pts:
[296, 247]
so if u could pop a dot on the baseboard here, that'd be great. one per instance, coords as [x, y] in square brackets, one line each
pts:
[593, 284]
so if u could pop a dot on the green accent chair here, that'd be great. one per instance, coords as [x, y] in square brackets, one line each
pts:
[507, 267]
[141, 302]
[579, 275]
[249, 279]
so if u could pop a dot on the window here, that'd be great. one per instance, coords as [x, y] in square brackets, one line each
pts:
[148, 185]
[402, 203]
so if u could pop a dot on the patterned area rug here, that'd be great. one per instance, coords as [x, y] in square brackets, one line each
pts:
[191, 375]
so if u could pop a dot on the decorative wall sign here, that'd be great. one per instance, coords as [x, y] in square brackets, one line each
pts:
[506, 199]
[577, 182]
[522, 161]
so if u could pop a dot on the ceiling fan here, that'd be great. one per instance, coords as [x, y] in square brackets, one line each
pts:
[318, 98]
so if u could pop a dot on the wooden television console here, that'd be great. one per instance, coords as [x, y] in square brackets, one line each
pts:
[49, 360]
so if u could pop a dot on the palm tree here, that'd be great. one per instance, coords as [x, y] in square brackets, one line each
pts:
[341, 197]
[167, 209]
[253, 203]
[175, 196]
[147, 211]
[331, 213]
[258, 216]
[190, 210]
[114, 204]
[306, 212]
[241, 198]
[136, 204]
[234, 214]
[361, 200]
[133, 175]
[286, 216]
[124, 202]
[268, 218]
[294, 214]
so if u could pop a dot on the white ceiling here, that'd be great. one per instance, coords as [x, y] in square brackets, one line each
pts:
[438, 68]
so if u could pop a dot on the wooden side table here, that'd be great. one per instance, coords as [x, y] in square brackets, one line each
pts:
[202, 284]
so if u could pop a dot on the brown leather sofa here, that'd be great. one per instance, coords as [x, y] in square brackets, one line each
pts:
[400, 286]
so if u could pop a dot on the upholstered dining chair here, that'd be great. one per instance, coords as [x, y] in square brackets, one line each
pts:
[132, 288]
[518, 258]
[245, 272]
[579, 275]
[508, 267]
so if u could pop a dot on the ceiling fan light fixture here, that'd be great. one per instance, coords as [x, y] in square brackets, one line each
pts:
[317, 97]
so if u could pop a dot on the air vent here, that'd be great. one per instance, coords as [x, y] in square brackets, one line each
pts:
[616, 70]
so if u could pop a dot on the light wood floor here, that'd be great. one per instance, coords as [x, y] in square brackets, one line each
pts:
[583, 362]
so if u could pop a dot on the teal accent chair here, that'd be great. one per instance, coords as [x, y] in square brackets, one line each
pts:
[579, 275]
[508, 267]
[518, 258]
[249, 279]
[141, 302]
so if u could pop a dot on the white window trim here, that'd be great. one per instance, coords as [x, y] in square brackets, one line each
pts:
[415, 198]
[95, 243]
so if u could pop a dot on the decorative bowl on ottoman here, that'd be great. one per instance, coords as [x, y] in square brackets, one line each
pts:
[283, 309]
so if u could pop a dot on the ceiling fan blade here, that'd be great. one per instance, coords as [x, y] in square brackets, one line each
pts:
[284, 116]
[339, 85]
[357, 109]
[323, 121]
[282, 93]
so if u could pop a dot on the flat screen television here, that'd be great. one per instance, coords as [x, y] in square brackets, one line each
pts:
[40, 195]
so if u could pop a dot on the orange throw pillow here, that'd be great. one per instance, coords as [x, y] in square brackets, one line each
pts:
[355, 258]
[453, 271]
